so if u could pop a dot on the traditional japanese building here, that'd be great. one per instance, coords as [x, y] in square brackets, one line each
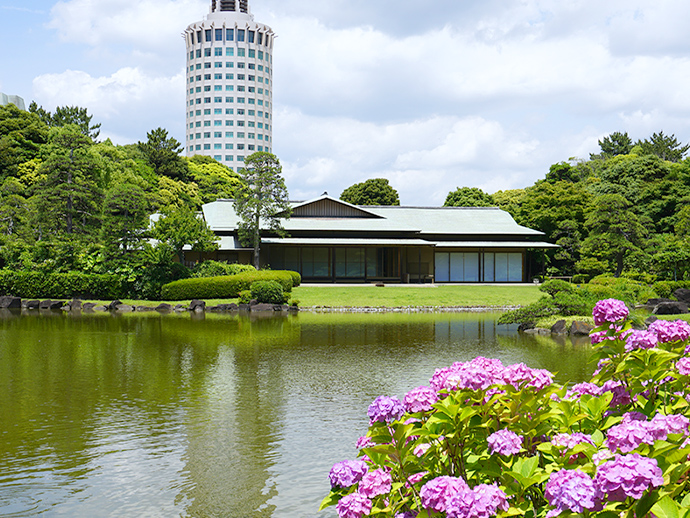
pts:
[334, 241]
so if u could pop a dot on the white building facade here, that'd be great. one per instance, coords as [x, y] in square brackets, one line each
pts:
[12, 99]
[229, 108]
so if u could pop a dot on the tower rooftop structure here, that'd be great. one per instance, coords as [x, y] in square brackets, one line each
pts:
[229, 108]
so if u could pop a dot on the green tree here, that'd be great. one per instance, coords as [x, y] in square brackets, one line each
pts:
[163, 153]
[614, 232]
[664, 146]
[65, 115]
[468, 197]
[215, 180]
[180, 226]
[69, 199]
[376, 191]
[615, 144]
[21, 136]
[124, 222]
[562, 172]
[262, 199]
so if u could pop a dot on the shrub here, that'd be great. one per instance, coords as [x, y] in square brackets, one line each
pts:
[217, 269]
[60, 285]
[580, 278]
[268, 292]
[554, 286]
[245, 296]
[296, 278]
[666, 288]
[484, 439]
[224, 287]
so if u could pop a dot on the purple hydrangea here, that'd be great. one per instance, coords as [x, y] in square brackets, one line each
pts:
[364, 442]
[347, 473]
[406, 514]
[481, 502]
[505, 442]
[662, 425]
[609, 310]
[666, 331]
[683, 366]
[375, 483]
[385, 409]
[415, 477]
[354, 505]
[569, 441]
[571, 490]
[420, 399]
[436, 493]
[421, 449]
[628, 475]
[641, 340]
[620, 395]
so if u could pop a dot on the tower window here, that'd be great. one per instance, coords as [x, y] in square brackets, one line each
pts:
[240, 34]
[219, 34]
[229, 34]
[250, 36]
[209, 35]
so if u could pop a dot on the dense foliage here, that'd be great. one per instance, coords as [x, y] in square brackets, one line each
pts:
[375, 191]
[71, 204]
[625, 211]
[60, 285]
[268, 292]
[484, 439]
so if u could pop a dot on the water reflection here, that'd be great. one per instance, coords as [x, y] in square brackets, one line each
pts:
[213, 415]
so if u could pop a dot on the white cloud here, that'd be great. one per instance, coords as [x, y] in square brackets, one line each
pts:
[128, 102]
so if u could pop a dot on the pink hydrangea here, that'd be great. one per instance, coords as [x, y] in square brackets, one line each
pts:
[375, 483]
[676, 331]
[569, 441]
[354, 505]
[364, 442]
[621, 396]
[583, 388]
[347, 473]
[520, 373]
[641, 340]
[628, 435]
[628, 475]
[505, 442]
[609, 310]
[416, 477]
[385, 409]
[421, 449]
[571, 490]
[663, 425]
[436, 493]
[420, 399]
[481, 502]
[683, 366]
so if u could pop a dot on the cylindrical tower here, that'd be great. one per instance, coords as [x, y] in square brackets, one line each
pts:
[229, 84]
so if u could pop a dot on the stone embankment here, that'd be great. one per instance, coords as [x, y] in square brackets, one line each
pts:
[116, 306]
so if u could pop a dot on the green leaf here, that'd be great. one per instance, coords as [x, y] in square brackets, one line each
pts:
[666, 508]
[330, 500]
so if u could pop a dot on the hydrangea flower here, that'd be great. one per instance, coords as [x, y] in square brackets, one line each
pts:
[569, 441]
[628, 475]
[519, 373]
[421, 449]
[571, 490]
[583, 388]
[628, 435]
[436, 493]
[666, 331]
[620, 395]
[364, 442]
[375, 483]
[482, 501]
[641, 340]
[609, 310]
[347, 473]
[406, 514]
[354, 505]
[662, 425]
[416, 477]
[420, 399]
[683, 366]
[385, 409]
[505, 442]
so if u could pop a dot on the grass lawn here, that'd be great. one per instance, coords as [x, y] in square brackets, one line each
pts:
[403, 296]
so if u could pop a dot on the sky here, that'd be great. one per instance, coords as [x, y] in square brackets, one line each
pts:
[430, 94]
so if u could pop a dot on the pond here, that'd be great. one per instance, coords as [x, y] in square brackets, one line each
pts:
[215, 415]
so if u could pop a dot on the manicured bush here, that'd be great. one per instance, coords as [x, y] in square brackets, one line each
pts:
[296, 278]
[268, 292]
[554, 286]
[60, 285]
[224, 287]
[245, 296]
[217, 268]
[484, 439]
[666, 288]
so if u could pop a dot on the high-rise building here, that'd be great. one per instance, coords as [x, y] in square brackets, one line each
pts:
[12, 99]
[229, 84]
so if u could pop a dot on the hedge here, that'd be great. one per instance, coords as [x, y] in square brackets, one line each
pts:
[225, 287]
[35, 285]
[268, 292]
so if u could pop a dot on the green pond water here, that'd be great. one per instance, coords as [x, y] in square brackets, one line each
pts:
[217, 415]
